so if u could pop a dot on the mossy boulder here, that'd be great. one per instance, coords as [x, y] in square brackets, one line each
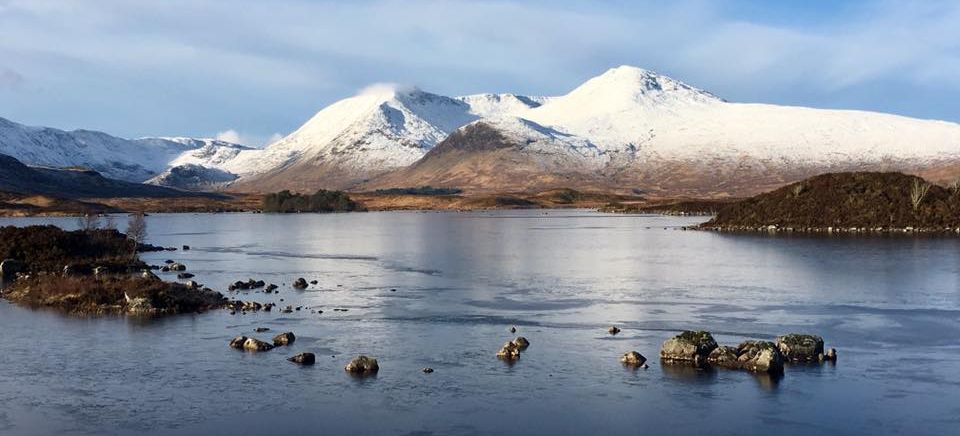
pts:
[800, 347]
[362, 365]
[689, 346]
[724, 357]
[760, 356]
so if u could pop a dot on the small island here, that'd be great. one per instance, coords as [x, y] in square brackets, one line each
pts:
[91, 271]
[854, 202]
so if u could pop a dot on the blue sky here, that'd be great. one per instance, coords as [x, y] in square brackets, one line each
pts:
[259, 68]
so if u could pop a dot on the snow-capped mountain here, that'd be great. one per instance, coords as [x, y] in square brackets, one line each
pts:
[626, 129]
[133, 160]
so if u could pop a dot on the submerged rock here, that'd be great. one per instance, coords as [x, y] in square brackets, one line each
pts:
[284, 339]
[304, 358]
[428, 370]
[362, 365]
[613, 330]
[800, 347]
[633, 358]
[185, 275]
[300, 283]
[688, 347]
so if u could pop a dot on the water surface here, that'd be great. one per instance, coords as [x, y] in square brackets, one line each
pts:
[441, 290]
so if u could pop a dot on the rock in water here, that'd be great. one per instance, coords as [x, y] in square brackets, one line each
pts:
[252, 344]
[513, 329]
[284, 339]
[613, 330]
[760, 356]
[831, 355]
[521, 342]
[304, 359]
[800, 348]
[634, 358]
[427, 370]
[237, 342]
[509, 351]
[262, 329]
[362, 365]
[301, 283]
[689, 347]
[724, 357]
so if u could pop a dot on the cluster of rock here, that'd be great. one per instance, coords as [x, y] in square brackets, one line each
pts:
[249, 284]
[698, 348]
[510, 351]
[248, 306]
[253, 344]
[173, 266]
[829, 229]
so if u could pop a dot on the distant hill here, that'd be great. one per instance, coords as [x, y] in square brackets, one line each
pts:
[16, 177]
[842, 201]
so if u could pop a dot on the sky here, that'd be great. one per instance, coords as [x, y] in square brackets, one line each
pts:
[251, 70]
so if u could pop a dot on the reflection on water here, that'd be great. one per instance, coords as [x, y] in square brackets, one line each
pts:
[441, 290]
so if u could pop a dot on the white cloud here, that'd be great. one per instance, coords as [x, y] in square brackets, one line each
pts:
[231, 135]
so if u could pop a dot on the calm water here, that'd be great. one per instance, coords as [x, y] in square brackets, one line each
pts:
[891, 306]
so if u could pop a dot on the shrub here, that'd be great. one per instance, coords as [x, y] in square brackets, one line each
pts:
[321, 201]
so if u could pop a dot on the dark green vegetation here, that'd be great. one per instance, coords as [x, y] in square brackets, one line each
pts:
[423, 190]
[91, 271]
[846, 201]
[47, 249]
[87, 294]
[321, 201]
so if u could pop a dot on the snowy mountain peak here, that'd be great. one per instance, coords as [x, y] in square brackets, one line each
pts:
[626, 86]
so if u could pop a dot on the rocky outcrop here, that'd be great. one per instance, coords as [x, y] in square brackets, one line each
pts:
[284, 339]
[304, 359]
[634, 359]
[688, 347]
[362, 365]
[801, 347]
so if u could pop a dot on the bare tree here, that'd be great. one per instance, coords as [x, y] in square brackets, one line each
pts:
[955, 186]
[88, 222]
[137, 230]
[918, 191]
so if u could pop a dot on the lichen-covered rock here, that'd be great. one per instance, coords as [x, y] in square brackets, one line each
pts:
[284, 339]
[362, 365]
[689, 346]
[724, 357]
[521, 342]
[509, 351]
[304, 358]
[760, 356]
[800, 348]
[633, 358]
